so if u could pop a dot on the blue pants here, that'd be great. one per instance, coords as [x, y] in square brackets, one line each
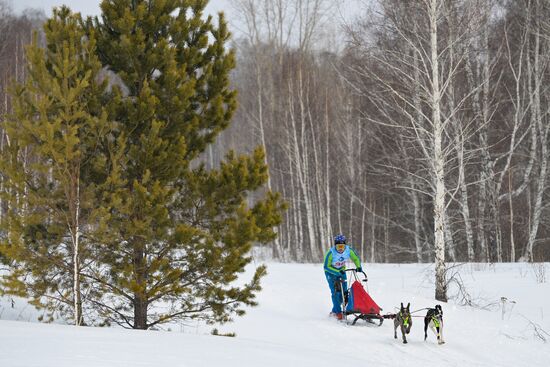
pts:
[336, 295]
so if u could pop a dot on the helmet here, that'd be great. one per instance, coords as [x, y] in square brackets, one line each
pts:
[339, 238]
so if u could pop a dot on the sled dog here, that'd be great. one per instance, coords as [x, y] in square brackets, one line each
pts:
[434, 320]
[404, 320]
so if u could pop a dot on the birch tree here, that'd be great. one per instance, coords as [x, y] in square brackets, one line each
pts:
[537, 68]
[279, 37]
[420, 63]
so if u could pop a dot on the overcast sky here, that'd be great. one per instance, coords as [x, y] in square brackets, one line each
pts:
[88, 7]
[348, 8]
[345, 11]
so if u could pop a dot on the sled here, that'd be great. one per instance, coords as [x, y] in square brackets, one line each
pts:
[357, 303]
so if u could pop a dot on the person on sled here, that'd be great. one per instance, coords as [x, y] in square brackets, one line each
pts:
[335, 266]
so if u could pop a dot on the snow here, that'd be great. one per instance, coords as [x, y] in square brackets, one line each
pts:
[291, 327]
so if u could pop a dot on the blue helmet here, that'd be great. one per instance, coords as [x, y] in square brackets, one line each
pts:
[339, 238]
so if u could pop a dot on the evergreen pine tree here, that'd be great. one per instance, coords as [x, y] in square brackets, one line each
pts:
[181, 234]
[53, 170]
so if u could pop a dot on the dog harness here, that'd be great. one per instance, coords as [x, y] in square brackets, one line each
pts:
[435, 321]
[405, 320]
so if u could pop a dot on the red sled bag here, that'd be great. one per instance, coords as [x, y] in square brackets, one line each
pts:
[360, 301]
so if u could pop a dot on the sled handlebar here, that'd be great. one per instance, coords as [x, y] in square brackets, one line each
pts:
[362, 272]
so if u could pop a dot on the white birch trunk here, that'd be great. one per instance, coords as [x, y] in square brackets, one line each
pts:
[386, 233]
[543, 135]
[465, 208]
[486, 172]
[417, 228]
[300, 160]
[338, 207]
[76, 258]
[286, 225]
[373, 233]
[459, 147]
[296, 209]
[305, 174]
[510, 202]
[316, 185]
[363, 220]
[487, 166]
[277, 242]
[438, 161]
[327, 175]
[350, 213]
[449, 241]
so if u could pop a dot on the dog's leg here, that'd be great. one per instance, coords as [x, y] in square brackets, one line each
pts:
[438, 331]
[434, 329]
[395, 325]
[426, 323]
[440, 336]
[403, 333]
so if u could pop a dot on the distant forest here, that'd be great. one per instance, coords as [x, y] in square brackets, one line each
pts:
[420, 126]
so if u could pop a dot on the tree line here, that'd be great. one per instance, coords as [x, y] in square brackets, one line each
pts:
[422, 129]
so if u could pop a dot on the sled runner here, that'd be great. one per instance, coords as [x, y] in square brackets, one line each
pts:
[357, 302]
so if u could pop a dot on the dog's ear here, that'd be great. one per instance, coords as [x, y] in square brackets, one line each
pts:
[402, 305]
[408, 305]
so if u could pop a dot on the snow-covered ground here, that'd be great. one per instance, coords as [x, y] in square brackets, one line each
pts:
[291, 327]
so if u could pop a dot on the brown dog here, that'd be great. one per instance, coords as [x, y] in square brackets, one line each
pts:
[404, 320]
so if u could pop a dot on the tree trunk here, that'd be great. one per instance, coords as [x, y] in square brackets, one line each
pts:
[459, 147]
[300, 159]
[449, 241]
[543, 136]
[338, 206]
[363, 220]
[140, 300]
[387, 233]
[327, 172]
[438, 163]
[75, 234]
[512, 244]
[296, 210]
[482, 109]
[373, 232]
[465, 208]
[417, 242]
[350, 213]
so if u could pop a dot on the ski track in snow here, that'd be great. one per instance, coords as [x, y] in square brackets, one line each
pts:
[291, 327]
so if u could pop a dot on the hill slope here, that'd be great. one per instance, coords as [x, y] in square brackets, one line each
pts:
[291, 327]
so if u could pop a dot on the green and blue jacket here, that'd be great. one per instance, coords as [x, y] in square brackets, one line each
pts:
[335, 261]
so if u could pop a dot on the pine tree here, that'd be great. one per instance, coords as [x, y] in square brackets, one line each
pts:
[53, 170]
[181, 234]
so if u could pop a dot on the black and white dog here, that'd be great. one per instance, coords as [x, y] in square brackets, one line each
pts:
[434, 319]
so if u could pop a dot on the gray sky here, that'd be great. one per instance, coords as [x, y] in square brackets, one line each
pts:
[88, 7]
[345, 11]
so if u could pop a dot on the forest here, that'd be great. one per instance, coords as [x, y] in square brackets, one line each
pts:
[416, 127]
[419, 125]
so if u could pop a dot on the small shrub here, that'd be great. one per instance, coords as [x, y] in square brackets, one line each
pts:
[217, 333]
